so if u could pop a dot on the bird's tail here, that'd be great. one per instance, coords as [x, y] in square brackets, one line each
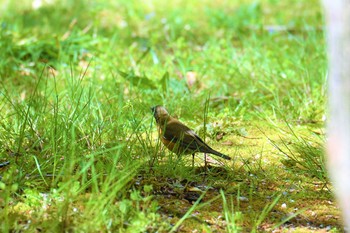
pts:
[214, 152]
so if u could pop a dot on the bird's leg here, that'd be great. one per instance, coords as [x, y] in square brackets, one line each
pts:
[193, 160]
[205, 164]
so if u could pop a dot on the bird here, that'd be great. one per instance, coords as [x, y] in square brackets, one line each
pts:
[179, 138]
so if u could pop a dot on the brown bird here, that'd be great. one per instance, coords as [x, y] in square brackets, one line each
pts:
[178, 138]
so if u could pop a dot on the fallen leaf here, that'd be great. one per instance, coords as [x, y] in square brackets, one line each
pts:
[227, 143]
[191, 78]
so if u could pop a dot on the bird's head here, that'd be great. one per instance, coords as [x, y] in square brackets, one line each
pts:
[160, 114]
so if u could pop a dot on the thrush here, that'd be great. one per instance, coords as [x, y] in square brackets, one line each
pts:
[179, 138]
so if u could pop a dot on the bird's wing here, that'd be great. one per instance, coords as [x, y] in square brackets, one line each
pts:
[179, 133]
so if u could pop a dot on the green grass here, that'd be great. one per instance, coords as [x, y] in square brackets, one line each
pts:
[78, 79]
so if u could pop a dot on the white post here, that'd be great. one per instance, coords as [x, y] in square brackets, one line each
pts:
[338, 144]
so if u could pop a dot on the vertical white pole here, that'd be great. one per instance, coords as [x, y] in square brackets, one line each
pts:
[338, 143]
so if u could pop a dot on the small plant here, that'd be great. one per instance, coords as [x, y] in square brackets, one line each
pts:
[233, 218]
[303, 154]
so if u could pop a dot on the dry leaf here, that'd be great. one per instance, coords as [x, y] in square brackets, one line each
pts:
[227, 143]
[191, 78]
